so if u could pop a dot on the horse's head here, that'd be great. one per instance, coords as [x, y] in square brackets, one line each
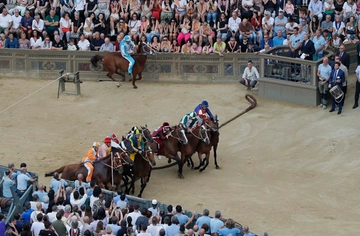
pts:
[179, 133]
[126, 145]
[204, 135]
[146, 134]
[146, 49]
[150, 149]
[213, 126]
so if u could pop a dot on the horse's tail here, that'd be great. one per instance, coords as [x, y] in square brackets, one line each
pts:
[60, 170]
[95, 59]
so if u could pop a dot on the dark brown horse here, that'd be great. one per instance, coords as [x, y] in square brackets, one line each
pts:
[114, 61]
[203, 148]
[102, 170]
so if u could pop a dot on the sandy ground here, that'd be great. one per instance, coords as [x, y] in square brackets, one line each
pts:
[285, 169]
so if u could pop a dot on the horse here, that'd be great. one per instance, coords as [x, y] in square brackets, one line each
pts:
[204, 148]
[114, 61]
[195, 136]
[102, 170]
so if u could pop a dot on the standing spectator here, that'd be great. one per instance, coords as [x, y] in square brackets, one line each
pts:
[337, 77]
[41, 7]
[107, 46]
[182, 218]
[307, 48]
[204, 219]
[135, 214]
[18, 223]
[52, 23]
[279, 39]
[319, 44]
[315, 8]
[174, 228]
[22, 178]
[344, 56]
[246, 231]
[26, 24]
[36, 211]
[75, 198]
[229, 228]
[280, 23]
[57, 45]
[38, 25]
[7, 184]
[142, 220]
[57, 182]
[219, 47]
[48, 230]
[267, 24]
[154, 228]
[323, 72]
[295, 43]
[233, 24]
[357, 89]
[38, 225]
[250, 77]
[216, 223]
[5, 21]
[222, 27]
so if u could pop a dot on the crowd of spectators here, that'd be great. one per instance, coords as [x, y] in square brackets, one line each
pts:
[85, 211]
[178, 26]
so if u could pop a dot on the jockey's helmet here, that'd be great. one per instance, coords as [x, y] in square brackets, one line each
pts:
[137, 133]
[166, 124]
[127, 38]
[113, 136]
[107, 140]
[96, 144]
[205, 103]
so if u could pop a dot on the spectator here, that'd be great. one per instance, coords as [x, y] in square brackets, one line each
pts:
[75, 198]
[344, 56]
[89, 26]
[339, 27]
[357, 88]
[52, 23]
[315, 9]
[279, 39]
[57, 182]
[40, 192]
[46, 45]
[165, 44]
[270, 5]
[216, 223]
[113, 225]
[38, 225]
[109, 231]
[327, 24]
[290, 26]
[349, 10]
[58, 224]
[256, 24]
[67, 6]
[175, 48]
[229, 228]
[22, 178]
[207, 49]
[350, 31]
[79, 6]
[206, 34]
[38, 210]
[319, 44]
[83, 43]
[201, 10]
[267, 24]
[307, 48]
[212, 12]
[99, 230]
[329, 8]
[314, 25]
[219, 47]
[247, 9]
[195, 48]
[48, 230]
[38, 25]
[222, 27]
[107, 46]
[5, 21]
[141, 220]
[65, 27]
[86, 225]
[99, 203]
[233, 24]
[41, 7]
[246, 231]
[7, 184]
[305, 27]
[195, 29]
[289, 9]
[96, 42]
[119, 38]
[174, 228]
[154, 228]
[16, 23]
[295, 43]
[155, 44]
[135, 214]
[25, 216]
[280, 22]
[26, 24]
[99, 25]
[246, 31]
[266, 41]
[337, 77]
[204, 219]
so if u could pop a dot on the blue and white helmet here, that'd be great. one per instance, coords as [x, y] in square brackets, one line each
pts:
[127, 38]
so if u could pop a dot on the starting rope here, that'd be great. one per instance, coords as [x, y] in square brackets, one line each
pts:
[250, 98]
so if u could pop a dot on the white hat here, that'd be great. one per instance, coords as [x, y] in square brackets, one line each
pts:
[154, 202]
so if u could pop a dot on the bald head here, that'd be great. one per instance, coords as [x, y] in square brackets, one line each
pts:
[325, 60]
[39, 206]
[86, 219]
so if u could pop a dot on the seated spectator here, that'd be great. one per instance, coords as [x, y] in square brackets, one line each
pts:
[204, 219]
[46, 45]
[67, 6]
[195, 48]
[329, 8]
[327, 24]
[216, 222]
[256, 24]
[278, 39]
[26, 24]
[267, 24]
[89, 26]
[222, 27]
[122, 27]
[100, 25]
[207, 49]
[107, 46]
[350, 31]
[173, 30]
[314, 25]
[270, 5]
[114, 16]
[246, 31]
[77, 26]
[155, 44]
[175, 48]
[244, 44]
[163, 29]
[184, 34]
[38, 25]
[305, 27]
[266, 41]
[246, 231]
[201, 8]
[31, 7]
[154, 29]
[191, 10]
[57, 45]
[174, 228]
[144, 25]
[280, 23]
[206, 34]
[165, 44]
[349, 10]
[232, 46]
[96, 42]
[5, 21]
[219, 47]
[41, 7]
[65, 27]
[167, 12]
[289, 9]
[339, 27]
[195, 29]
[315, 9]
[16, 23]
[7, 184]
[119, 38]
[233, 26]
[290, 26]
[52, 23]
[134, 28]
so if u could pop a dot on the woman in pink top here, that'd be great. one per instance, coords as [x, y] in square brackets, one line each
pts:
[195, 48]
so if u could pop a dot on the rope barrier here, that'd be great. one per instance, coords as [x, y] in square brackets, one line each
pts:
[29, 95]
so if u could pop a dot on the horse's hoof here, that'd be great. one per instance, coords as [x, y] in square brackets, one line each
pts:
[201, 170]
[118, 85]
[181, 176]
[188, 164]
[192, 167]
[139, 195]
[169, 160]
[196, 168]
[135, 87]
[217, 167]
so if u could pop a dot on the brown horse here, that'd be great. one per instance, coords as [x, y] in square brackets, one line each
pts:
[203, 148]
[114, 61]
[102, 170]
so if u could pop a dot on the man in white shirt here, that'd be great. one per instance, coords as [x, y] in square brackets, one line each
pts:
[250, 77]
[154, 227]
[135, 214]
[289, 27]
[267, 24]
[233, 25]
[38, 24]
[75, 198]
[38, 225]
[16, 20]
[5, 21]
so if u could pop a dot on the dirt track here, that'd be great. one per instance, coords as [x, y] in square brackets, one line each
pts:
[285, 169]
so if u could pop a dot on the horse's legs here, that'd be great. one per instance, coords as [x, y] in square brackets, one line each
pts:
[205, 162]
[216, 164]
[121, 74]
[133, 80]
[200, 161]
[143, 185]
[190, 163]
[110, 73]
[140, 77]
[148, 177]
[132, 184]
[126, 183]
[180, 165]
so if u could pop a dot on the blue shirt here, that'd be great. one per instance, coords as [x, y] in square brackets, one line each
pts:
[284, 20]
[26, 216]
[227, 231]
[203, 220]
[295, 40]
[22, 181]
[55, 184]
[2, 227]
[172, 230]
[114, 228]
[198, 108]
[183, 219]
[325, 71]
[215, 224]
[278, 41]
[249, 234]
[11, 44]
[40, 194]
[117, 198]
[318, 42]
[86, 185]
[7, 184]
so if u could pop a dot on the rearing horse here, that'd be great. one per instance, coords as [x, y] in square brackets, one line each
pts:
[114, 61]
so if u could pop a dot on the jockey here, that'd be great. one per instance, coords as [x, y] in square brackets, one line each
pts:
[126, 50]
[105, 148]
[191, 121]
[114, 138]
[160, 134]
[89, 158]
[137, 143]
[204, 107]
